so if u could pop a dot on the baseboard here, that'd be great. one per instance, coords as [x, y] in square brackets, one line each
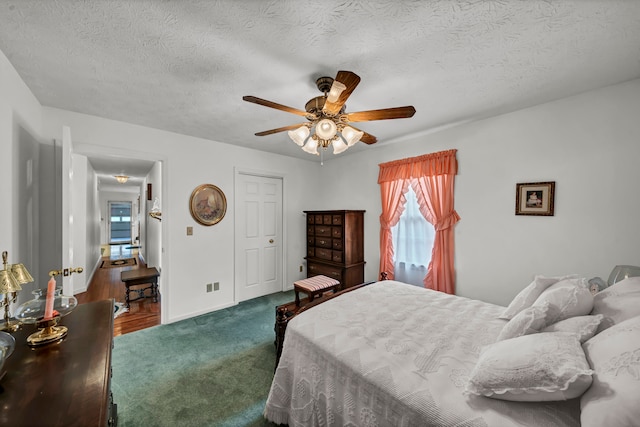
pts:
[200, 313]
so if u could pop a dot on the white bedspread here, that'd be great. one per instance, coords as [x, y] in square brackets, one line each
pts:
[392, 354]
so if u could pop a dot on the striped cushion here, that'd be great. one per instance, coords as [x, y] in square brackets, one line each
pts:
[315, 283]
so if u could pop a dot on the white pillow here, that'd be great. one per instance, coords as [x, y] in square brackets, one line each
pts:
[529, 321]
[531, 368]
[567, 298]
[528, 295]
[614, 397]
[583, 326]
[618, 302]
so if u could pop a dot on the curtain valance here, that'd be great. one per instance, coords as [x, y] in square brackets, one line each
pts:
[440, 163]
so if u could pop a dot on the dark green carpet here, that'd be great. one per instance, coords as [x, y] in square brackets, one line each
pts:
[211, 370]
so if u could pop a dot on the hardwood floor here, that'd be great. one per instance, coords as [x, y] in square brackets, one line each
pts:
[106, 284]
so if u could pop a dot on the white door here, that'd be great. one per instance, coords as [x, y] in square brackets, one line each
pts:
[67, 211]
[258, 256]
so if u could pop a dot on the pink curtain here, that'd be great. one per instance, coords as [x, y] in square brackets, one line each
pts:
[432, 177]
[393, 201]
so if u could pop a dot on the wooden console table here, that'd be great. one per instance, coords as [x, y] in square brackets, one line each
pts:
[140, 276]
[67, 383]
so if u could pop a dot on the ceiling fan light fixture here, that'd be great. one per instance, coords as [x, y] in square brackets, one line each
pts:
[351, 136]
[299, 135]
[121, 178]
[336, 89]
[339, 146]
[311, 146]
[326, 129]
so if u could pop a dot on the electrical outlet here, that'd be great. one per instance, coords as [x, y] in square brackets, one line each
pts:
[300, 269]
[208, 287]
[189, 231]
[216, 286]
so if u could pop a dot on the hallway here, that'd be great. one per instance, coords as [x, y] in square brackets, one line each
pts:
[106, 284]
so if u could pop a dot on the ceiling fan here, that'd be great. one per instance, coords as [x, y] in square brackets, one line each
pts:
[328, 123]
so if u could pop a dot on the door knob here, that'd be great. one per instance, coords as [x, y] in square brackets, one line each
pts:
[270, 240]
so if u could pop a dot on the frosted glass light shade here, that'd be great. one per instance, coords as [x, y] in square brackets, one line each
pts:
[299, 135]
[621, 272]
[311, 147]
[351, 135]
[336, 89]
[326, 129]
[339, 146]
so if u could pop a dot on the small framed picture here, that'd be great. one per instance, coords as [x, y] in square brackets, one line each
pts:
[207, 204]
[535, 198]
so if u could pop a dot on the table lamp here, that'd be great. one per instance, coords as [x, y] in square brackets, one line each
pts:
[11, 279]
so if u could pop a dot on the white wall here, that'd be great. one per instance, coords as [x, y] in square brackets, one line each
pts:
[20, 134]
[588, 144]
[189, 262]
[153, 236]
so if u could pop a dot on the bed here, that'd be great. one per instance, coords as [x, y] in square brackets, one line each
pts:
[392, 354]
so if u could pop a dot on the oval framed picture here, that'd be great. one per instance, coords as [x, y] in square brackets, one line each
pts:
[207, 204]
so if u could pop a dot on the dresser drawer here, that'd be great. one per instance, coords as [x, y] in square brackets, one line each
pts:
[323, 253]
[326, 270]
[336, 232]
[311, 251]
[323, 242]
[317, 219]
[326, 219]
[337, 256]
[311, 241]
[336, 244]
[323, 230]
[337, 220]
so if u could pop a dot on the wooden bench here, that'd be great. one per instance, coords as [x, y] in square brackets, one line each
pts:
[140, 276]
[315, 286]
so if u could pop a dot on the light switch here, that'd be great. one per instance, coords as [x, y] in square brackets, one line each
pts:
[189, 231]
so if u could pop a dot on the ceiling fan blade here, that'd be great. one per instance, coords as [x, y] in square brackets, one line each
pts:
[277, 106]
[350, 81]
[367, 138]
[282, 129]
[384, 114]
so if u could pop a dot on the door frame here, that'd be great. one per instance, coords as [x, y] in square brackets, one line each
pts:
[264, 174]
[88, 149]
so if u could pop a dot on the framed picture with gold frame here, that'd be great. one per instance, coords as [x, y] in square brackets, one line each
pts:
[535, 198]
[207, 204]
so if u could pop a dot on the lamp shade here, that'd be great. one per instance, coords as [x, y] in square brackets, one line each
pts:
[326, 129]
[336, 89]
[21, 273]
[339, 146]
[299, 135]
[621, 272]
[351, 136]
[311, 146]
[8, 282]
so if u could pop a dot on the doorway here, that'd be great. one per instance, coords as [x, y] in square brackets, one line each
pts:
[119, 223]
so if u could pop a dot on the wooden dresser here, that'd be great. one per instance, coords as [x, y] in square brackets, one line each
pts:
[335, 245]
[65, 383]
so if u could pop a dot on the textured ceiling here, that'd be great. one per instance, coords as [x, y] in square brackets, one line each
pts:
[184, 65]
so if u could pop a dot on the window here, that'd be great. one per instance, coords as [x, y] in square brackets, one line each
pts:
[412, 242]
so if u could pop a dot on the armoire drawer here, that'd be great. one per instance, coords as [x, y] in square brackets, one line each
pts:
[325, 270]
[323, 242]
[323, 253]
